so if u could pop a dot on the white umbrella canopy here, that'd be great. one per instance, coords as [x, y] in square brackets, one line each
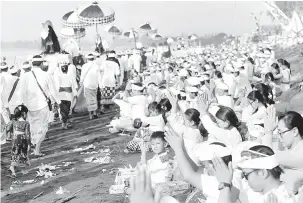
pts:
[71, 19]
[74, 33]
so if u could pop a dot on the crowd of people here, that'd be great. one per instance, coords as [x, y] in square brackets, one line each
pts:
[213, 106]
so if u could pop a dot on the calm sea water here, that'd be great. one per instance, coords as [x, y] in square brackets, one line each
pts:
[18, 55]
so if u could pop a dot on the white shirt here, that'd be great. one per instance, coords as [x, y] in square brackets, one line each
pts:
[109, 69]
[156, 123]
[139, 103]
[226, 101]
[191, 136]
[136, 62]
[254, 117]
[65, 80]
[89, 75]
[230, 137]
[17, 96]
[33, 97]
[8, 82]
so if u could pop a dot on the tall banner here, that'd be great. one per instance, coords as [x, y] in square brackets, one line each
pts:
[277, 13]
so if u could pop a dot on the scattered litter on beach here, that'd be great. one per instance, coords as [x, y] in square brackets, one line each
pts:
[29, 181]
[61, 191]
[67, 163]
[42, 182]
[91, 146]
[103, 170]
[99, 160]
[45, 170]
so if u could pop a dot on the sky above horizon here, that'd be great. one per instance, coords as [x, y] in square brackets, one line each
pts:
[21, 20]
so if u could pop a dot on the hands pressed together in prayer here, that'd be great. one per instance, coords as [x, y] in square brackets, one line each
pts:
[141, 189]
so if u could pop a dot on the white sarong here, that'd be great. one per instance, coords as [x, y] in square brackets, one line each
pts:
[39, 121]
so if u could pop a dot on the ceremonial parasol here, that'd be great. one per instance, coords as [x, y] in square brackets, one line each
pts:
[93, 14]
[114, 31]
[75, 33]
[71, 19]
[157, 37]
[148, 29]
[132, 34]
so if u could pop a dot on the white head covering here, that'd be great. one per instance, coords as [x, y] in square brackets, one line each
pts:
[222, 86]
[137, 88]
[26, 65]
[14, 69]
[206, 151]
[192, 89]
[193, 81]
[90, 56]
[3, 65]
[111, 55]
[266, 162]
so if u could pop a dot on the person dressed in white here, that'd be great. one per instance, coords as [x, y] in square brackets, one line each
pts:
[136, 61]
[132, 106]
[110, 72]
[67, 92]
[89, 81]
[37, 103]
[14, 98]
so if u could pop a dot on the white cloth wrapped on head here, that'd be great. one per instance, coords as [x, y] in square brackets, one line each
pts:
[265, 162]
[206, 151]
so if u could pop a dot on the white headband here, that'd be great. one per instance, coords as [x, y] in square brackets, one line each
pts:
[4, 66]
[26, 66]
[37, 59]
[268, 162]
[136, 87]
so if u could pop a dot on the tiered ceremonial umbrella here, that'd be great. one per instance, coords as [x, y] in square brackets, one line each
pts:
[93, 14]
[148, 29]
[71, 19]
[75, 33]
[114, 31]
[157, 37]
[132, 34]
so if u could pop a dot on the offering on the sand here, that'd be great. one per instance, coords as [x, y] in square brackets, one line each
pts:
[99, 160]
[173, 188]
[29, 181]
[91, 146]
[61, 191]
[45, 170]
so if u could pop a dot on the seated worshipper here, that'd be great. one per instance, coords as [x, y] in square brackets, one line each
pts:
[266, 92]
[227, 128]
[256, 110]
[204, 180]
[290, 130]
[269, 80]
[110, 72]
[230, 79]
[153, 92]
[136, 103]
[67, 93]
[189, 127]
[191, 98]
[158, 166]
[153, 123]
[286, 74]
[262, 173]
[222, 96]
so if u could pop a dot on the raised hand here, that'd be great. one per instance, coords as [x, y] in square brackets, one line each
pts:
[141, 190]
[222, 172]
[203, 103]
[271, 198]
[271, 120]
[175, 141]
